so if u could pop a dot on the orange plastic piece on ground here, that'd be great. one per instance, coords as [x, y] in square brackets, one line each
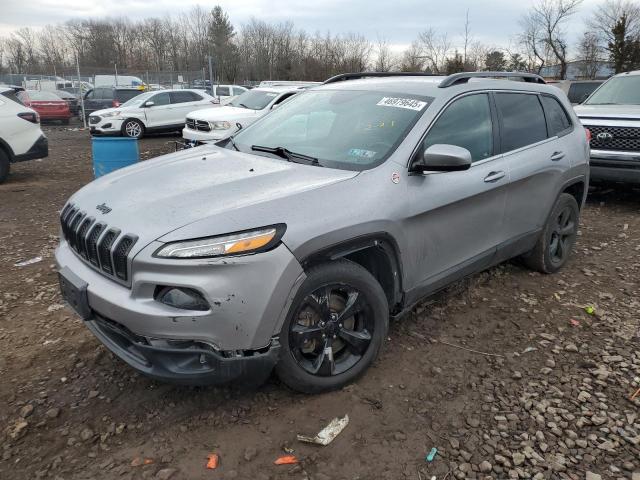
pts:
[212, 464]
[286, 460]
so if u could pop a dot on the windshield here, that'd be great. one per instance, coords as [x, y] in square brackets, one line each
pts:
[253, 99]
[138, 99]
[38, 96]
[617, 91]
[350, 130]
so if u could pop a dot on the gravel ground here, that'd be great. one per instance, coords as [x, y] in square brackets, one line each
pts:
[506, 373]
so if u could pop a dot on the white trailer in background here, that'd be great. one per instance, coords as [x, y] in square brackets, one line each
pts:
[117, 81]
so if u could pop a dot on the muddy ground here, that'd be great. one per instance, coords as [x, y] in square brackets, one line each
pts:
[505, 374]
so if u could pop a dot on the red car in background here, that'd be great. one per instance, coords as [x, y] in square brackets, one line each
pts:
[48, 105]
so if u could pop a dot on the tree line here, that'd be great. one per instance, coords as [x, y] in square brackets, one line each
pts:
[260, 50]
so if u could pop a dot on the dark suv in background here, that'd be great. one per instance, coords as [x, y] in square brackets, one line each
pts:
[108, 97]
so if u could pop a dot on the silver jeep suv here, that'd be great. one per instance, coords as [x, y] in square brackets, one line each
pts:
[612, 115]
[292, 243]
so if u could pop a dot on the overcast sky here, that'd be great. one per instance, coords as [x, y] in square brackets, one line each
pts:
[493, 22]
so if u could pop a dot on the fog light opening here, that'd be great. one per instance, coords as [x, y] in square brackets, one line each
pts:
[182, 298]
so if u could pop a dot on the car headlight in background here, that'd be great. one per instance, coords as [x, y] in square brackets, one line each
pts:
[250, 241]
[111, 114]
[220, 125]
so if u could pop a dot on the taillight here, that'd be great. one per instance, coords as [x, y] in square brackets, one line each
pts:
[115, 103]
[32, 117]
[588, 133]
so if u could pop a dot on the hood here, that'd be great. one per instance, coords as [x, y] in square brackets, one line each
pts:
[631, 112]
[106, 110]
[223, 113]
[223, 187]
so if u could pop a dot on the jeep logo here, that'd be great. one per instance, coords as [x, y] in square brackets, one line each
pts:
[103, 208]
[604, 137]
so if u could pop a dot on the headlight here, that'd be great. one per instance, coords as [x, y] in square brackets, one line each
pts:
[220, 125]
[251, 241]
[111, 114]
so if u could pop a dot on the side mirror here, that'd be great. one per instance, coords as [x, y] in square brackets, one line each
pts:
[149, 103]
[273, 107]
[443, 158]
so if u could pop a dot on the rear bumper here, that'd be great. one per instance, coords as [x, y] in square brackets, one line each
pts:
[183, 362]
[615, 166]
[40, 149]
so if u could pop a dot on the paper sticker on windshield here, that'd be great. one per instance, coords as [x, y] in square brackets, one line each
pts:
[410, 103]
[361, 153]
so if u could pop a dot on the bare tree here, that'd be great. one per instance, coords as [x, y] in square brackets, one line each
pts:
[609, 13]
[590, 51]
[531, 40]
[385, 60]
[435, 49]
[412, 59]
[550, 16]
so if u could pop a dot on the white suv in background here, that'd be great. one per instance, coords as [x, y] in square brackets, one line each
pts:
[20, 135]
[213, 124]
[149, 112]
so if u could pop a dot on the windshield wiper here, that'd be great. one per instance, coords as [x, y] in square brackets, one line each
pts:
[243, 106]
[230, 138]
[287, 154]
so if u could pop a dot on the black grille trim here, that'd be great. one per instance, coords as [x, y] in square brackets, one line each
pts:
[120, 256]
[104, 250]
[96, 243]
[625, 139]
[92, 243]
[199, 125]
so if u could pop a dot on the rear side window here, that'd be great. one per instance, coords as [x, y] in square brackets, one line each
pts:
[126, 95]
[557, 119]
[223, 91]
[523, 121]
[465, 123]
[13, 96]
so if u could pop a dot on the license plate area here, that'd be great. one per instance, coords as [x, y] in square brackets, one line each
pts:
[74, 292]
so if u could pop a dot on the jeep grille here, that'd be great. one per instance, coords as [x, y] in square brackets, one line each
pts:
[102, 247]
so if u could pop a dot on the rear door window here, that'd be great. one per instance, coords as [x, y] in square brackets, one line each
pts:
[523, 120]
[579, 91]
[558, 121]
[465, 123]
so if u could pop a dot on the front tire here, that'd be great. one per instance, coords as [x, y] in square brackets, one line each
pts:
[133, 128]
[335, 328]
[553, 249]
[4, 166]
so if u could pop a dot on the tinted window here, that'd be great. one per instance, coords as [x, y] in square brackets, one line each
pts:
[103, 94]
[523, 121]
[579, 91]
[253, 99]
[13, 96]
[557, 118]
[465, 123]
[223, 91]
[160, 99]
[183, 97]
[125, 95]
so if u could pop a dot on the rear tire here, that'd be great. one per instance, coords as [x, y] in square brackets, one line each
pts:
[5, 166]
[553, 249]
[335, 328]
[133, 128]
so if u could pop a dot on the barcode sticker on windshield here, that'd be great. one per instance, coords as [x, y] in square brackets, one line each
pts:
[409, 103]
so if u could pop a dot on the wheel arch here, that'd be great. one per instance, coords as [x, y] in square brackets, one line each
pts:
[576, 187]
[6, 148]
[378, 253]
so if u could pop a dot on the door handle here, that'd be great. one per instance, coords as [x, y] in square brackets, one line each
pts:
[494, 176]
[557, 156]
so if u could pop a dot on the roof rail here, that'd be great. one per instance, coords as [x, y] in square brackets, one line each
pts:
[360, 75]
[463, 77]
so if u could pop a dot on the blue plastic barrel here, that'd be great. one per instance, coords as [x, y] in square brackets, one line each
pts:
[111, 153]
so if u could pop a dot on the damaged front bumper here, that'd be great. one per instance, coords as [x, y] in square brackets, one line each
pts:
[184, 362]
